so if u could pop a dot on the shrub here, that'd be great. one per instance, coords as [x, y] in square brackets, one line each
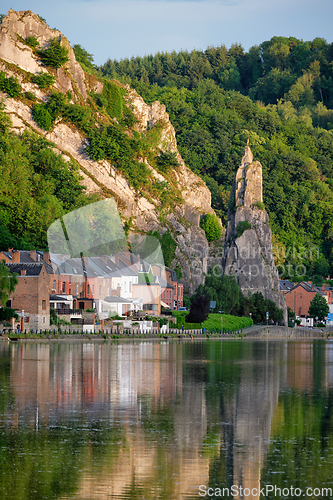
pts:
[53, 316]
[43, 80]
[42, 116]
[210, 224]
[56, 104]
[128, 119]
[167, 160]
[260, 205]
[30, 95]
[242, 226]
[79, 115]
[10, 85]
[32, 41]
[54, 56]
[111, 99]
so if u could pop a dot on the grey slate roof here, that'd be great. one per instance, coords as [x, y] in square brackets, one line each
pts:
[285, 285]
[31, 269]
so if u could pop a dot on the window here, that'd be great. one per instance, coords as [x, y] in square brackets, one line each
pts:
[77, 288]
[43, 304]
[93, 289]
[54, 285]
[150, 307]
[88, 290]
[63, 286]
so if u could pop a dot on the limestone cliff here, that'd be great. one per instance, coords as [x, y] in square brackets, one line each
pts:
[248, 241]
[19, 60]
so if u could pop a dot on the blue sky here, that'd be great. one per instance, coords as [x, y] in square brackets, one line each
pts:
[124, 28]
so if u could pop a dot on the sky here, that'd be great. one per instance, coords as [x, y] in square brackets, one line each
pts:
[118, 29]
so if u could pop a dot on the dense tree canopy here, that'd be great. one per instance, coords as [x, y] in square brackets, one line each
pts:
[37, 187]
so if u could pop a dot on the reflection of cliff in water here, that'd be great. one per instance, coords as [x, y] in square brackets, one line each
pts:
[247, 415]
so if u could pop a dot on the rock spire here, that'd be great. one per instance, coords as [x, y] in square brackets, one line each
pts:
[248, 253]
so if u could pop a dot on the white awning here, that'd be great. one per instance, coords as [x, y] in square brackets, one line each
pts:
[165, 305]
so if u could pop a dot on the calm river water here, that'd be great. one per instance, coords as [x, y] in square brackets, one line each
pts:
[166, 420]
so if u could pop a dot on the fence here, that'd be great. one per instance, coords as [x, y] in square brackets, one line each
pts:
[125, 332]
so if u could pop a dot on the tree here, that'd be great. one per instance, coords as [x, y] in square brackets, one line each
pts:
[55, 56]
[83, 57]
[8, 283]
[319, 307]
[225, 291]
[210, 224]
[199, 310]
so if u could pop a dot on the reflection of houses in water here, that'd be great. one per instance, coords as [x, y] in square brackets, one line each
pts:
[300, 365]
[127, 385]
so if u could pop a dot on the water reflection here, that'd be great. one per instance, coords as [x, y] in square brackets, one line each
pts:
[157, 420]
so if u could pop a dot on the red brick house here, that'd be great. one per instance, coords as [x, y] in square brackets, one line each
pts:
[32, 293]
[300, 296]
[178, 289]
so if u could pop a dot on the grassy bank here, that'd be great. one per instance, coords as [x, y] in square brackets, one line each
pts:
[213, 322]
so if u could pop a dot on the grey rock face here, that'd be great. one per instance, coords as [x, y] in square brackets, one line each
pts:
[248, 251]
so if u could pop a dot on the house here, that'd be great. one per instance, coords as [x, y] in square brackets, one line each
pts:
[300, 296]
[178, 289]
[31, 294]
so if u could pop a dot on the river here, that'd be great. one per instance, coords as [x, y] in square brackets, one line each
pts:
[166, 419]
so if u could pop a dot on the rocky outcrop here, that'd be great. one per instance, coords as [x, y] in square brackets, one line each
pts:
[19, 60]
[248, 241]
[17, 26]
[194, 191]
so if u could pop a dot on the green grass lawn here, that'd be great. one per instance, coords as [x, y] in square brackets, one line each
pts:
[213, 322]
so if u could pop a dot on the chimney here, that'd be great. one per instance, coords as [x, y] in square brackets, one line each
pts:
[47, 257]
[33, 255]
[10, 250]
[23, 272]
[16, 259]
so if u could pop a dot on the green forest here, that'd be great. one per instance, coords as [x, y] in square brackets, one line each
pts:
[37, 187]
[279, 95]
